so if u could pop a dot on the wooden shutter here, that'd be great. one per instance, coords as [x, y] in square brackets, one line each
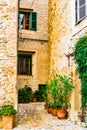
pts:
[33, 21]
[30, 64]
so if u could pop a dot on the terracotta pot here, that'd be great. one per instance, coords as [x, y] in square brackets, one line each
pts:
[54, 112]
[49, 110]
[61, 114]
[8, 122]
[71, 73]
[34, 99]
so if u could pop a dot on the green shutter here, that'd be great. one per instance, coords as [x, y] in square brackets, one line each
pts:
[33, 21]
[30, 64]
[18, 17]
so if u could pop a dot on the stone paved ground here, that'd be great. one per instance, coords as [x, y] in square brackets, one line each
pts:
[41, 120]
[34, 117]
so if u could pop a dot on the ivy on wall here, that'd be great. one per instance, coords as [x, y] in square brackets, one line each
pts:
[80, 56]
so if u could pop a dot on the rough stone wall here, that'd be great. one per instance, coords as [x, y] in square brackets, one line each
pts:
[36, 42]
[63, 34]
[59, 33]
[8, 51]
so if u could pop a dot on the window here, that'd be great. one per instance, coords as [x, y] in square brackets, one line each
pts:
[27, 20]
[25, 64]
[80, 9]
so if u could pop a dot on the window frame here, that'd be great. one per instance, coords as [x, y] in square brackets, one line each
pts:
[77, 11]
[31, 19]
[30, 59]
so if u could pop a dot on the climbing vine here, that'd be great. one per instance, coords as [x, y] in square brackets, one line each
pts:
[80, 56]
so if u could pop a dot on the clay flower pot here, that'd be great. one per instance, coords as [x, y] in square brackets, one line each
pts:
[61, 114]
[49, 110]
[8, 122]
[8, 114]
[34, 99]
[54, 112]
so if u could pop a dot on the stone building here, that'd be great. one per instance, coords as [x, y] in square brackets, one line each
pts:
[33, 43]
[67, 23]
[23, 47]
[27, 46]
[8, 51]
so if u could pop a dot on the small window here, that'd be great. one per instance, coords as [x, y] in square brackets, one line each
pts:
[27, 20]
[25, 64]
[80, 10]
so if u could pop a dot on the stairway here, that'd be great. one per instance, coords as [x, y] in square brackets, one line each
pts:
[30, 110]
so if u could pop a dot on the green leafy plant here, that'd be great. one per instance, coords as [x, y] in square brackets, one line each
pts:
[55, 105]
[36, 94]
[7, 110]
[42, 92]
[80, 57]
[58, 90]
[25, 95]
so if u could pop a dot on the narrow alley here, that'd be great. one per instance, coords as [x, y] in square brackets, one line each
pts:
[35, 117]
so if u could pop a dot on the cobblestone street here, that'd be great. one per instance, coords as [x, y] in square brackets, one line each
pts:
[34, 117]
[44, 121]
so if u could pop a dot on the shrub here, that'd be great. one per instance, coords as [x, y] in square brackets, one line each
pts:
[7, 110]
[59, 90]
[42, 92]
[25, 95]
[36, 94]
[80, 57]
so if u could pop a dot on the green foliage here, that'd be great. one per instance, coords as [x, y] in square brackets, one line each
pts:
[39, 94]
[58, 90]
[7, 110]
[36, 94]
[80, 57]
[55, 105]
[42, 91]
[25, 95]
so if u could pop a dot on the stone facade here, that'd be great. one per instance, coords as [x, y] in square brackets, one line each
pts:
[8, 51]
[35, 42]
[63, 34]
[59, 17]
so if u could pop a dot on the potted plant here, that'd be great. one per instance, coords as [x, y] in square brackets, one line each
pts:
[8, 112]
[42, 92]
[25, 94]
[35, 96]
[55, 107]
[59, 87]
[65, 87]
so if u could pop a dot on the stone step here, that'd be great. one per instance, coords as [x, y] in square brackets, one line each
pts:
[30, 108]
[35, 106]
